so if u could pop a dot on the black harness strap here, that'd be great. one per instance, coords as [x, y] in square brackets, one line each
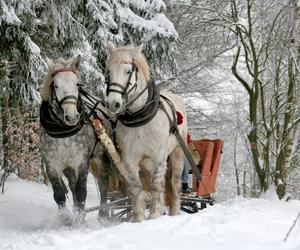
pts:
[146, 113]
[66, 98]
[174, 130]
[94, 101]
[54, 126]
[124, 90]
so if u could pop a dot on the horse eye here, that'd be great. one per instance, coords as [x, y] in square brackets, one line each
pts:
[129, 71]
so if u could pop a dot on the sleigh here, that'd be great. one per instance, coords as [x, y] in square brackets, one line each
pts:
[119, 205]
[210, 156]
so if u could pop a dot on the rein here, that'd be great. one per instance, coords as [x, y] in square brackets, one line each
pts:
[94, 102]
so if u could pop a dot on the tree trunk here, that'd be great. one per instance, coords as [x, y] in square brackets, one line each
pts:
[284, 158]
[235, 167]
[5, 117]
[283, 163]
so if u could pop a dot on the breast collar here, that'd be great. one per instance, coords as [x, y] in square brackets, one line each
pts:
[54, 127]
[146, 113]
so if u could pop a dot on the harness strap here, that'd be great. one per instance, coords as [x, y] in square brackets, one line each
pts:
[94, 101]
[118, 85]
[64, 100]
[54, 126]
[174, 130]
[124, 90]
[95, 144]
[66, 69]
[134, 99]
[146, 113]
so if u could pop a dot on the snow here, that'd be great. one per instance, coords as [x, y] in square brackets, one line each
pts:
[28, 221]
[159, 24]
[9, 14]
[156, 5]
[197, 102]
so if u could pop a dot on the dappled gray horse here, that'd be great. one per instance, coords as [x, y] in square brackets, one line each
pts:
[68, 141]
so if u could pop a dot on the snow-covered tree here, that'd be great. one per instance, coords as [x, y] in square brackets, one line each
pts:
[262, 37]
[31, 30]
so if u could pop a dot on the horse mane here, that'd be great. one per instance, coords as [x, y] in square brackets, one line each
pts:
[53, 65]
[123, 54]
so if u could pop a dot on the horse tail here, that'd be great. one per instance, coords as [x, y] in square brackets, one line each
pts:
[168, 187]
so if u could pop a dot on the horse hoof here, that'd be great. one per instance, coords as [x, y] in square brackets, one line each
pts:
[154, 215]
[65, 217]
[174, 212]
[79, 218]
[103, 213]
[138, 218]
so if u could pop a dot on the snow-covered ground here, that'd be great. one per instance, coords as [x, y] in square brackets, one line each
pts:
[28, 221]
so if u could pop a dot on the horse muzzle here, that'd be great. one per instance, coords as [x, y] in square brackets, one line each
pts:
[115, 107]
[71, 120]
[70, 114]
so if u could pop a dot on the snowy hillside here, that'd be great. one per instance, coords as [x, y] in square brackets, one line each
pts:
[28, 221]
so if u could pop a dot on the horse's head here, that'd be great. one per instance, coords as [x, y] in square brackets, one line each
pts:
[61, 89]
[127, 69]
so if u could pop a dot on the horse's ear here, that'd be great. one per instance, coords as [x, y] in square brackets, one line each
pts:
[110, 47]
[76, 62]
[137, 50]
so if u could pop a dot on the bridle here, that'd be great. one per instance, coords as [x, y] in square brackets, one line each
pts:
[66, 99]
[125, 91]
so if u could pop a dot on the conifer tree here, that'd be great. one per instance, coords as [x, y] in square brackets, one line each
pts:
[30, 30]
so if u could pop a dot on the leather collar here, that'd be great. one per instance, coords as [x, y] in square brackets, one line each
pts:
[54, 127]
[146, 113]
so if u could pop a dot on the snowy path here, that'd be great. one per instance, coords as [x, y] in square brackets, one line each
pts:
[28, 213]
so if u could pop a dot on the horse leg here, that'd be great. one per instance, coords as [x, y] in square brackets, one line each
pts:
[58, 190]
[72, 179]
[80, 188]
[135, 191]
[157, 186]
[176, 163]
[59, 194]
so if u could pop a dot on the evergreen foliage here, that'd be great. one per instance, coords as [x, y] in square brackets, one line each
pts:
[33, 29]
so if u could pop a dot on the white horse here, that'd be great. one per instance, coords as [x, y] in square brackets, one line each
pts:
[143, 129]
